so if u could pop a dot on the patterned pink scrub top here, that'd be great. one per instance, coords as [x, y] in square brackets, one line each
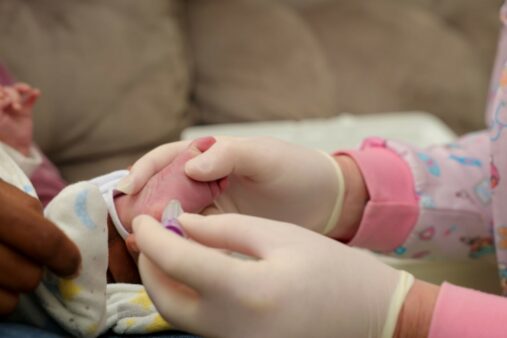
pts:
[446, 200]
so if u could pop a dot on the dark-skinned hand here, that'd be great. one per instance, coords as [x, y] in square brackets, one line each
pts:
[28, 243]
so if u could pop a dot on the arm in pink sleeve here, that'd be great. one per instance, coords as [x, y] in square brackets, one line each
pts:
[426, 203]
[467, 313]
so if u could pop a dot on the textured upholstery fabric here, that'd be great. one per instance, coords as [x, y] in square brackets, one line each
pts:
[256, 60]
[114, 76]
[397, 56]
[122, 76]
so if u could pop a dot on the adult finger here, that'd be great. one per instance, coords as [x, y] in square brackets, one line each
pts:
[16, 272]
[30, 234]
[8, 301]
[11, 195]
[201, 268]
[121, 265]
[148, 165]
[25, 230]
[178, 304]
[247, 235]
[244, 157]
[211, 210]
[131, 244]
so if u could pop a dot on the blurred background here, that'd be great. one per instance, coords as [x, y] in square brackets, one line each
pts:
[121, 76]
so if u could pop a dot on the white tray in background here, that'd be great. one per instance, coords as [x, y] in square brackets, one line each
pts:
[347, 131]
[344, 131]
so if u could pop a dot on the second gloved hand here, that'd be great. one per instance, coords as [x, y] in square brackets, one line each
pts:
[299, 284]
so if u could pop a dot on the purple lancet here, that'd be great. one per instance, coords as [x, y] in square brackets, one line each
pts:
[170, 218]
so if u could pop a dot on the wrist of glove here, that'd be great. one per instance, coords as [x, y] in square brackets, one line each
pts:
[336, 212]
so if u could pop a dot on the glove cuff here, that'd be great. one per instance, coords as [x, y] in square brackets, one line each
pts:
[340, 196]
[405, 283]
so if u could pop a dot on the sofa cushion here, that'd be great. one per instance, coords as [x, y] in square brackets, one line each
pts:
[477, 21]
[394, 55]
[256, 60]
[114, 76]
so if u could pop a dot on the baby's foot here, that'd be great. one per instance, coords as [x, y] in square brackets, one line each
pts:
[171, 183]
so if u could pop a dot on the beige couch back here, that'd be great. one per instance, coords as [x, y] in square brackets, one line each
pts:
[122, 76]
[114, 76]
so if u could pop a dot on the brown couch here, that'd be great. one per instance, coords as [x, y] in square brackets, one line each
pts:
[121, 76]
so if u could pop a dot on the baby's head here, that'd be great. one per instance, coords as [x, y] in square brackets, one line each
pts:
[171, 183]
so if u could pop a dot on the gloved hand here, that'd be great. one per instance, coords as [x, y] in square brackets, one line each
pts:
[298, 284]
[266, 177]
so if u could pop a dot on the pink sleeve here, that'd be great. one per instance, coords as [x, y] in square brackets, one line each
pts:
[394, 201]
[426, 203]
[47, 181]
[467, 313]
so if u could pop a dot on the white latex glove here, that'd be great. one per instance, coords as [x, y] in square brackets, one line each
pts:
[300, 284]
[266, 177]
